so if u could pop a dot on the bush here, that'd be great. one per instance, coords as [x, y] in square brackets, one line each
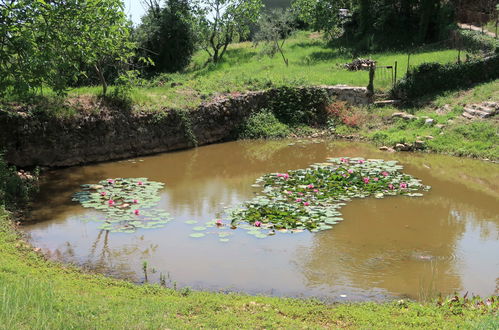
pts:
[166, 36]
[14, 189]
[430, 78]
[295, 106]
[474, 41]
[263, 125]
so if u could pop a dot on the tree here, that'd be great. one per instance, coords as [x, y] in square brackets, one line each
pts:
[322, 15]
[225, 21]
[166, 35]
[53, 42]
[274, 28]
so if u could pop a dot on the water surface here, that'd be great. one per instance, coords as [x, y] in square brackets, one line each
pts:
[446, 241]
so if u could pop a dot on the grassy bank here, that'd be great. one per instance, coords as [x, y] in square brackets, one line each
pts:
[311, 62]
[38, 294]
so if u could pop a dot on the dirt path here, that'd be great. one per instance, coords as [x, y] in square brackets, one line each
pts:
[475, 28]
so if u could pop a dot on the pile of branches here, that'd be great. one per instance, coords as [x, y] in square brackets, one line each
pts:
[359, 64]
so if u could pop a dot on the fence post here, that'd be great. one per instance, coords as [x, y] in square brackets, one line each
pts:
[395, 78]
[408, 61]
[370, 87]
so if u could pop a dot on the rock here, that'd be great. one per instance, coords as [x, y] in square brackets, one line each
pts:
[403, 115]
[385, 148]
[418, 144]
[429, 137]
[481, 110]
[441, 126]
[403, 147]
[429, 121]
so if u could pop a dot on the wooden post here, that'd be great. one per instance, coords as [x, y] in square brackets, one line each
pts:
[395, 79]
[370, 87]
[408, 61]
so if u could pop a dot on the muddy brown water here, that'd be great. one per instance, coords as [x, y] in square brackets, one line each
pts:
[444, 242]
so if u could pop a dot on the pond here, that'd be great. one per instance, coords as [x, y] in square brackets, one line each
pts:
[445, 241]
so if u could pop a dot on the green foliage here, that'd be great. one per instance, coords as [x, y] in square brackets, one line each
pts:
[310, 198]
[430, 78]
[475, 41]
[323, 15]
[183, 116]
[55, 43]
[274, 28]
[166, 36]
[383, 24]
[294, 106]
[125, 205]
[14, 189]
[263, 125]
[225, 21]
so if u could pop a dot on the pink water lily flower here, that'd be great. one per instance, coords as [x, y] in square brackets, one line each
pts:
[301, 194]
[376, 179]
[343, 160]
[298, 200]
[350, 171]
[258, 224]
[316, 190]
[135, 201]
[384, 173]
[219, 222]
[366, 180]
[140, 183]
[391, 186]
[310, 186]
[110, 181]
[110, 202]
[306, 203]
[136, 212]
[286, 176]
[361, 161]
[103, 193]
[403, 185]
[289, 192]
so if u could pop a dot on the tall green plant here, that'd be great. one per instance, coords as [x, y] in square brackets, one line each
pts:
[53, 42]
[222, 22]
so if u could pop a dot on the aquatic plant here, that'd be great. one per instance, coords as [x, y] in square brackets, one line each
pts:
[310, 199]
[124, 205]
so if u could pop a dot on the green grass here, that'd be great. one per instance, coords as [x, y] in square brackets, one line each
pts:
[311, 62]
[37, 294]
[460, 137]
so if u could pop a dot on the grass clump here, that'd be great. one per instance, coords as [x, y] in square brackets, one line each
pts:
[263, 125]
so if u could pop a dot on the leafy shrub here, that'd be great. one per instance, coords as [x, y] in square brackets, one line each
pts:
[264, 125]
[294, 106]
[13, 189]
[474, 41]
[166, 35]
[340, 114]
[430, 78]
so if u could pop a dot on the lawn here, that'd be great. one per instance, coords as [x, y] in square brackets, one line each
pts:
[311, 62]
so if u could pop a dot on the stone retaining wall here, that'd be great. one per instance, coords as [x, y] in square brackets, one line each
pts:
[30, 140]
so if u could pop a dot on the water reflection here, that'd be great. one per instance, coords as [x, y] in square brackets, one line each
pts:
[445, 241]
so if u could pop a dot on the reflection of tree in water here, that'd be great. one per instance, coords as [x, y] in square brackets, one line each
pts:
[401, 245]
[103, 258]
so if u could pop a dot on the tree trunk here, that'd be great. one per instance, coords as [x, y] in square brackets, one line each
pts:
[427, 11]
[102, 79]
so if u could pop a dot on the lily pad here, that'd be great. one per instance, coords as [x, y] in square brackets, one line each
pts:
[311, 198]
[197, 235]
